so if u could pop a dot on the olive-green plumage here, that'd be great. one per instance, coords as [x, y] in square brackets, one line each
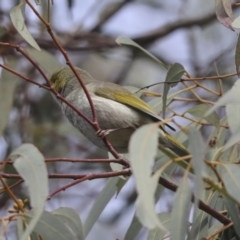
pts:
[119, 112]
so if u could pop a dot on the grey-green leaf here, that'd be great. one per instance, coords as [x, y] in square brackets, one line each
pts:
[200, 110]
[236, 23]
[173, 77]
[197, 150]
[230, 178]
[180, 211]
[8, 85]
[222, 16]
[30, 164]
[237, 56]
[227, 5]
[233, 213]
[133, 229]
[70, 218]
[231, 96]
[127, 41]
[156, 234]
[233, 115]
[19, 24]
[141, 156]
[50, 227]
[102, 200]
[45, 59]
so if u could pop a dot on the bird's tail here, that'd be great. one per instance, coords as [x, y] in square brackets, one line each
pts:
[166, 140]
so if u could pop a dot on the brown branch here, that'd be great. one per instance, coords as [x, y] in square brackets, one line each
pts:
[201, 205]
[12, 186]
[125, 172]
[73, 160]
[82, 177]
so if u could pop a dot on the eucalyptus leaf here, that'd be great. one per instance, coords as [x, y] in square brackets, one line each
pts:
[200, 110]
[230, 97]
[156, 234]
[45, 59]
[173, 77]
[230, 178]
[30, 164]
[235, 138]
[237, 56]
[20, 227]
[233, 115]
[199, 227]
[133, 229]
[233, 213]
[197, 150]
[180, 211]
[49, 227]
[19, 23]
[127, 41]
[215, 228]
[8, 85]
[222, 16]
[218, 136]
[236, 23]
[70, 218]
[141, 156]
[100, 203]
[227, 5]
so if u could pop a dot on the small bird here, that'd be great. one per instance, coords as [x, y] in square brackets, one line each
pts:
[119, 112]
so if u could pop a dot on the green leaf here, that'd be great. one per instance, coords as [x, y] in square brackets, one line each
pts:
[70, 218]
[227, 5]
[235, 138]
[233, 115]
[197, 150]
[199, 227]
[173, 77]
[230, 97]
[215, 228]
[218, 136]
[20, 227]
[156, 234]
[121, 183]
[236, 23]
[100, 203]
[141, 156]
[230, 178]
[237, 56]
[19, 24]
[8, 85]
[49, 227]
[127, 41]
[233, 212]
[30, 164]
[200, 110]
[133, 229]
[180, 211]
[222, 16]
[45, 59]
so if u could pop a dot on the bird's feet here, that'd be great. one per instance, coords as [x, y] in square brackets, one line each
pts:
[103, 133]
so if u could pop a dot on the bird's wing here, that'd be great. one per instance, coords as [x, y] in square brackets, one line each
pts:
[129, 99]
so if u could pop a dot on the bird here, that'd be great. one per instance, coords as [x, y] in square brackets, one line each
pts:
[119, 112]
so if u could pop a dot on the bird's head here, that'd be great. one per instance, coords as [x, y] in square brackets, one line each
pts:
[66, 77]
